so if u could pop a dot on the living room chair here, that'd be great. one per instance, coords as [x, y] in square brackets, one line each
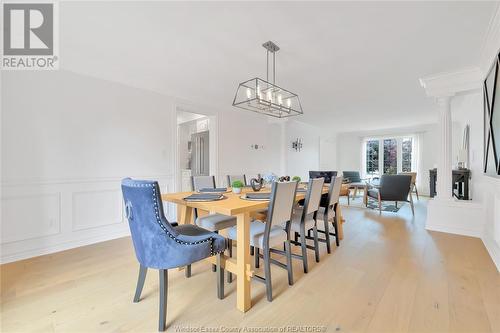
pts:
[413, 181]
[269, 235]
[159, 245]
[354, 180]
[392, 188]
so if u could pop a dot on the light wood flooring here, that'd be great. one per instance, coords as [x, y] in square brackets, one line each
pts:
[388, 275]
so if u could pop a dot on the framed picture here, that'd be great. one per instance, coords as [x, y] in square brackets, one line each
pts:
[491, 95]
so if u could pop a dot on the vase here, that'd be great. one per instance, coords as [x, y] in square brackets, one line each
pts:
[236, 190]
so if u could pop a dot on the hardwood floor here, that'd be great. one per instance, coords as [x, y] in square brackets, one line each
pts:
[388, 275]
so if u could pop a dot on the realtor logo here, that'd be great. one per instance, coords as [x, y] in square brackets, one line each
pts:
[29, 31]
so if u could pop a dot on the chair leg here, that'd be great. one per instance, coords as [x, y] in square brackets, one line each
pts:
[163, 299]
[220, 277]
[327, 232]
[140, 283]
[187, 271]
[396, 204]
[288, 251]
[411, 205]
[230, 250]
[267, 272]
[379, 205]
[303, 246]
[214, 267]
[296, 237]
[316, 243]
[335, 227]
[252, 250]
[257, 257]
[416, 192]
[348, 197]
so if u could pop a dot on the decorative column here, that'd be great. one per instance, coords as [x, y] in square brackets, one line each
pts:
[444, 171]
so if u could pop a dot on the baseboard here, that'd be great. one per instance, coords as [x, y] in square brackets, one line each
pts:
[493, 249]
[455, 217]
[62, 247]
[454, 230]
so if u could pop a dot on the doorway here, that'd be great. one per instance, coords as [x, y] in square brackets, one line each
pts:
[193, 148]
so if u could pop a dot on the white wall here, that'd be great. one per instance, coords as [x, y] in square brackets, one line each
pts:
[300, 162]
[468, 109]
[349, 149]
[68, 140]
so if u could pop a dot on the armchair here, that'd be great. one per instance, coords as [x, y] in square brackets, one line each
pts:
[392, 188]
[354, 180]
[162, 246]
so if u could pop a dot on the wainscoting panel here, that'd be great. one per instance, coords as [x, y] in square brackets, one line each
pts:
[35, 215]
[50, 216]
[93, 209]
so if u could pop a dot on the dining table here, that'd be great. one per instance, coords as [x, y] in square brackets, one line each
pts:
[244, 210]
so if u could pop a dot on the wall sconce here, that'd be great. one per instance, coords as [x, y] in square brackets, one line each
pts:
[256, 147]
[297, 144]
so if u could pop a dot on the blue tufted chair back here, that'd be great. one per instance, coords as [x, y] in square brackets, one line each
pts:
[151, 232]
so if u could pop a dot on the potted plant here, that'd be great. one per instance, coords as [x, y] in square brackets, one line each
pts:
[296, 179]
[237, 185]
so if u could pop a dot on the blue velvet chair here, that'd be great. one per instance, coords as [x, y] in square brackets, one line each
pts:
[162, 246]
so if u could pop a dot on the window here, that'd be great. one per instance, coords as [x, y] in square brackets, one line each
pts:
[388, 155]
[406, 147]
[372, 160]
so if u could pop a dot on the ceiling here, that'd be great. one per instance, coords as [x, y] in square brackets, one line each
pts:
[355, 65]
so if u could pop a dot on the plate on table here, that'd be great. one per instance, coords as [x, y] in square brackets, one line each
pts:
[203, 197]
[256, 196]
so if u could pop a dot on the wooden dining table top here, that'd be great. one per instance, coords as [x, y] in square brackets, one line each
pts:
[232, 203]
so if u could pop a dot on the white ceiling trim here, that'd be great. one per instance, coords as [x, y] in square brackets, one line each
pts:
[449, 84]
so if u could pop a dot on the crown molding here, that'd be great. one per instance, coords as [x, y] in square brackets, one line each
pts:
[451, 83]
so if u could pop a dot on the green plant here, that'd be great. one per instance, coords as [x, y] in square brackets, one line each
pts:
[237, 184]
[296, 179]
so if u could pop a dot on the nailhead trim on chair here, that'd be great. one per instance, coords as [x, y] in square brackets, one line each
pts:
[158, 220]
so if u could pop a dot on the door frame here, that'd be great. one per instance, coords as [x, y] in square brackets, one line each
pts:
[213, 128]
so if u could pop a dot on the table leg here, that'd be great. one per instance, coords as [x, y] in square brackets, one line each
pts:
[243, 275]
[340, 222]
[184, 214]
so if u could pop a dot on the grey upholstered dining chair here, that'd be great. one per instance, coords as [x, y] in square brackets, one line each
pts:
[212, 222]
[159, 245]
[392, 188]
[232, 178]
[328, 208]
[304, 218]
[269, 235]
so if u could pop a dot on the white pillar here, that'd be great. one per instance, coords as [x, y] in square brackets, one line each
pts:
[444, 170]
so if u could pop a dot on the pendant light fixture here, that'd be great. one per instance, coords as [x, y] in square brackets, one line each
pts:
[262, 96]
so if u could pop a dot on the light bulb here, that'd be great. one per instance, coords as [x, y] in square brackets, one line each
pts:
[249, 93]
[288, 103]
[280, 101]
[269, 96]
